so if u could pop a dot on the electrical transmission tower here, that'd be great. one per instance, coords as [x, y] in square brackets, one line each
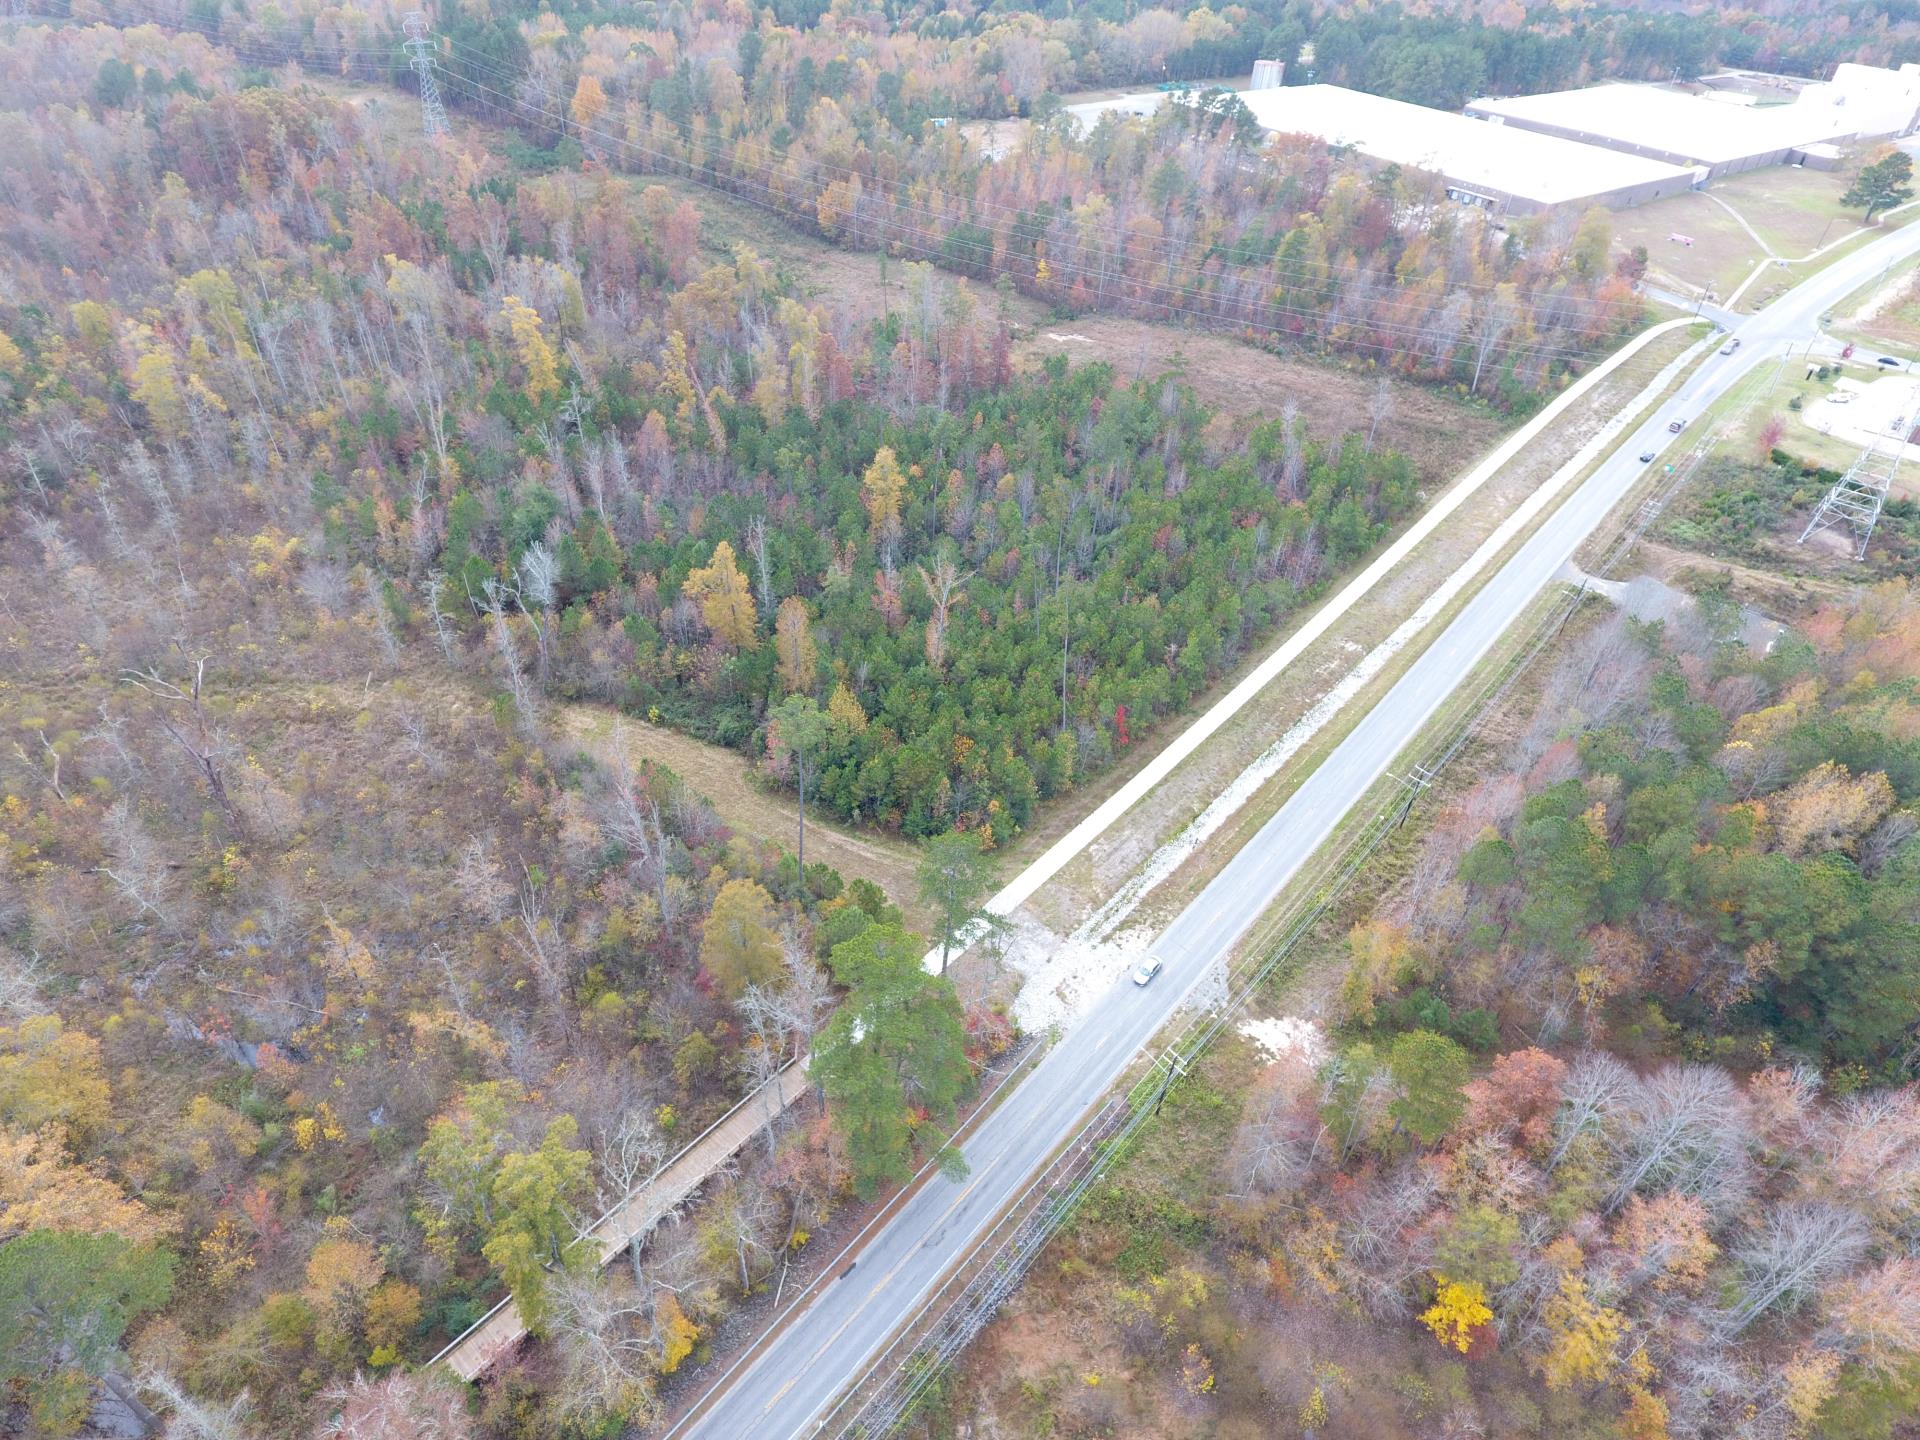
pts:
[433, 115]
[1857, 499]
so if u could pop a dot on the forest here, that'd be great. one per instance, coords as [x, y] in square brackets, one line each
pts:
[829, 128]
[1614, 1132]
[343, 982]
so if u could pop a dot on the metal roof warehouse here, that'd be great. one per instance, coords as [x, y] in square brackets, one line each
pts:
[1507, 169]
[1680, 129]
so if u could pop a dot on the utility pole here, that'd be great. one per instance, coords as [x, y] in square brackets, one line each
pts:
[433, 115]
[1066, 640]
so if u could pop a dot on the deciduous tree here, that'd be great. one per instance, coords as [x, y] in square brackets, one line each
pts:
[738, 946]
[793, 641]
[725, 600]
[65, 1301]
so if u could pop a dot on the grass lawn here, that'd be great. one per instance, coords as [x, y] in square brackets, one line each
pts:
[1720, 257]
[1793, 211]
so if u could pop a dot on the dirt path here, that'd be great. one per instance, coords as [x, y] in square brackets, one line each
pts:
[722, 777]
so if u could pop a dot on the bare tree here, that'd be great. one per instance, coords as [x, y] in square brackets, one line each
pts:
[192, 1419]
[1596, 1087]
[1293, 463]
[193, 730]
[524, 700]
[1876, 1314]
[1379, 409]
[630, 1155]
[1870, 1144]
[544, 947]
[436, 588]
[481, 883]
[762, 564]
[1384, 1243]
[1496, 317]
[1274, 1145]
[1799, 1249]
[20, 985]
[137, 869]
[603, 1328]
[410, 724]
[942, 585]
[1683, 1129]
[382, 620]
[424, 1405]
[736, 1224]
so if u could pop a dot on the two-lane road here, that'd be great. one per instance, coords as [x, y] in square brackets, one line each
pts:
[791, 1385]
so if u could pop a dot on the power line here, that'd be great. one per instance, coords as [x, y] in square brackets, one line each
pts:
[766, 175]
[1161, 246]
[879, 232]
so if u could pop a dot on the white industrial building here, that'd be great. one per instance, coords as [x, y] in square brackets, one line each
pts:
[1861, 102]
[1506, 170]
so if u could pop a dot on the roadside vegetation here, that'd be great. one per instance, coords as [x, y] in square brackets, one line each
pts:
[1614, 1132]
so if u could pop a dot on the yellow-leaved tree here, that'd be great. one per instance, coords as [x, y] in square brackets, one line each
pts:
[738, 946]
[41, 1189]
[156, 385]
[880, 490]
[793, 638]
[726, 603]
[52, 1075]
[1586, 1336]
[677, 1334]
[1458, 1310]
[589, 101]
[530, 344]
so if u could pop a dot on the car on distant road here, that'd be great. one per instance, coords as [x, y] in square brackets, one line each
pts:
[1677, 426]
[1731, 346]
[1889, 362]
[1647, 459]
[1144, 972]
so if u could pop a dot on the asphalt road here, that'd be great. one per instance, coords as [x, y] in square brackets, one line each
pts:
[790, 1386]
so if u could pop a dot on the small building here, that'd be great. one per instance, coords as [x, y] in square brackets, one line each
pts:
[1268, 75]
[1089, 113]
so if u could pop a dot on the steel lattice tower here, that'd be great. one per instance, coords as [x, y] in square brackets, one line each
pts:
[433, 115]
[1856, 501]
